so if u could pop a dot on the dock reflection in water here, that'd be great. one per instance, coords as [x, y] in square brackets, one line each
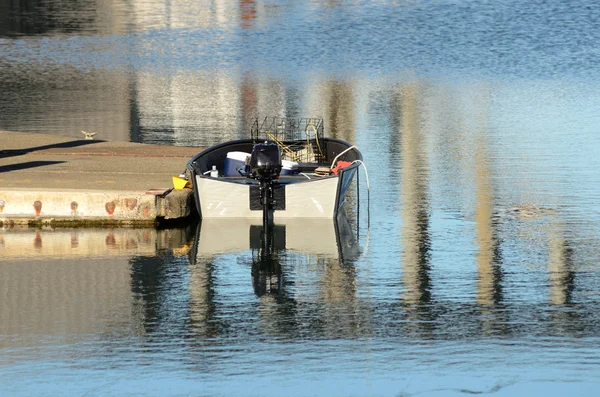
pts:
[60, 286]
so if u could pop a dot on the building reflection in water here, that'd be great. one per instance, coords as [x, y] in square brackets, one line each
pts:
[160, 103]
[335, 101]
[416, 239]
[122, 102]
[493, 316]
[566, 316]
[560, 268]
[202, 307]
[36, 17]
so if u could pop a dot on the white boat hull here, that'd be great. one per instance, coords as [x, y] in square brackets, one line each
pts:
[221, 199]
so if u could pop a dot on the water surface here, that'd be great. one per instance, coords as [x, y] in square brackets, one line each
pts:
[476, 273]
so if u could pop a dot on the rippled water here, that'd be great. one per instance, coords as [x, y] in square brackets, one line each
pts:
[476, 273]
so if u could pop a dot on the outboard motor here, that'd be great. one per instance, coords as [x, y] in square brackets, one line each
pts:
[265, 165]
[265, 161]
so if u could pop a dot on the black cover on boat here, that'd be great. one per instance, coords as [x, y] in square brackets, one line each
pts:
[265, 161]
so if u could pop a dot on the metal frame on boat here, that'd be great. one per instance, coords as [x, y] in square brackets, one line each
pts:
[287, 169]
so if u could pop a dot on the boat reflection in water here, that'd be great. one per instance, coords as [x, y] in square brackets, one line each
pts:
[277, 246]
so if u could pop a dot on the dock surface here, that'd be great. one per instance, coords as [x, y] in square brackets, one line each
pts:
[50, 178]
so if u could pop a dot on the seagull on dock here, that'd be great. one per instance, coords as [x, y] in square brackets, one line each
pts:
[89, 135]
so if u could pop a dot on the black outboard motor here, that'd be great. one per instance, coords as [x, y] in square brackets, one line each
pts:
[265, 161]
[265, 166]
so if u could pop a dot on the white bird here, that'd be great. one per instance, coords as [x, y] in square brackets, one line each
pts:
[89, 135]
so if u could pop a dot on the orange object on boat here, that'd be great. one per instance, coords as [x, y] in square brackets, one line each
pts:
[340, 165]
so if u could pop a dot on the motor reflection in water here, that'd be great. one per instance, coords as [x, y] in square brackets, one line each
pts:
[273, 249]
[266, 246]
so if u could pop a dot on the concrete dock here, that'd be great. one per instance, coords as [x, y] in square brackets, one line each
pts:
[54, 180]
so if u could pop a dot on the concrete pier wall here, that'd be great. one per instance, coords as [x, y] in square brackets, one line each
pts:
[45, 178]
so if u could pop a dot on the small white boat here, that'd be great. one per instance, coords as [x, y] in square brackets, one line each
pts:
[287, 169]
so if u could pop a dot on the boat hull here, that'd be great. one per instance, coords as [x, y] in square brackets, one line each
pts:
[219, 198]
[231, 196]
